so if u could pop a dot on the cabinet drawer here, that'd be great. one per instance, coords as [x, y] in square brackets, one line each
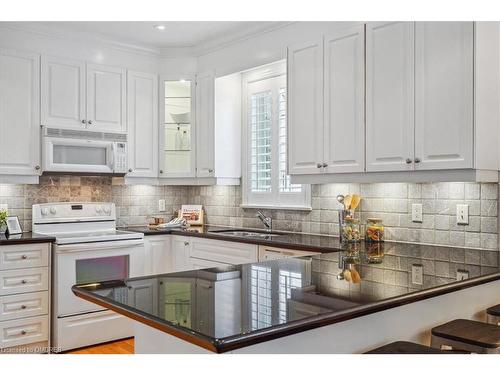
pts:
[24, 331]
[24, 281]
[223, 251]
[24, 305]
[24, 256]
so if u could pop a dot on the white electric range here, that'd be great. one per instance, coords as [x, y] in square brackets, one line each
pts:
[88, 249]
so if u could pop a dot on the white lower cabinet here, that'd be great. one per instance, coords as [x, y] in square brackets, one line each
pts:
[24, 295]
[159, 255]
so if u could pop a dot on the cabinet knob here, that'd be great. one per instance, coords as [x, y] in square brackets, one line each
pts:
[325, 165]
[90, 122]
[130, 170]
[24, 257]
[408, 161]
[23, 332]
[186, 243]
[23, 307]
[37, 167]
[84, 121]
[210, 170]
[417, 160]
[319, 165]
[23, 281]
[161, 170]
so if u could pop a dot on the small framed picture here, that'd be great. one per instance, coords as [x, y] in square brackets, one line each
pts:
[13, 226]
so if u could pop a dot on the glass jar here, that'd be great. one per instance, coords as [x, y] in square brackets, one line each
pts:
[374, 230]
[350, 230]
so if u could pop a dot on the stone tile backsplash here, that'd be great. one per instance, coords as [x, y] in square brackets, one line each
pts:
[389, 201]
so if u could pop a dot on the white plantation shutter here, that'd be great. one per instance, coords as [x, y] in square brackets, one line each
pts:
[265, 181]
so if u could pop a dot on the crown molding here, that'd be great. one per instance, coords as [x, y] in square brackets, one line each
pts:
[81, 37]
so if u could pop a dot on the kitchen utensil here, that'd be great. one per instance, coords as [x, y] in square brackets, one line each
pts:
[347, 202]
[340, 199]
[347, 276]
[356, 278]
[355, 199]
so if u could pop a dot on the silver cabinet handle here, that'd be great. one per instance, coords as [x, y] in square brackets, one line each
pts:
[130, 170]
[90, 122]
[37, 167]
[24, 257]
[210, 170]
[84, 121]
[23, 307]
[417, 160]
[186, 243]
[23, 332]
[161, 170]
[408, 161]
[319, 165]
[23, 281]
[325, 165]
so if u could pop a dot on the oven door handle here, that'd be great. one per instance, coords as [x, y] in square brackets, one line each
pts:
[95, 246]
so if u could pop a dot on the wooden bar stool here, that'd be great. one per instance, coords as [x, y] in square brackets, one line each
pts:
[406, 347]
[493, 314]
[462, 334]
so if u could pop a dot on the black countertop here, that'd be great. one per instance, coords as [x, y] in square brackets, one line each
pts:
[282, 297]
[25, 238]
[288, 240]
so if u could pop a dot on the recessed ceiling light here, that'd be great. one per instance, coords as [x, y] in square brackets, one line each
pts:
[159, 27]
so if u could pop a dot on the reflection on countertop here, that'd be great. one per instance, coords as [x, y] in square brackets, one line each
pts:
[236, 305]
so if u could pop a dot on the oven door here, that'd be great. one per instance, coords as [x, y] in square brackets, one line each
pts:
[92, 262]
[77, 155]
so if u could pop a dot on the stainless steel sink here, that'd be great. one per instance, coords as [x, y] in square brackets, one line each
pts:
[246, 233]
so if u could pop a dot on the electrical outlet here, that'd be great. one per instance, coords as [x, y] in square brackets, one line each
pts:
[4, 206]
[416, 212]
[463, 214]
[417, 274]
[462, 275]
[161, 205]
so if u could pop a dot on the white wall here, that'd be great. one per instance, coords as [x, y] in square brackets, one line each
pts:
[19, 37]
[264, 48]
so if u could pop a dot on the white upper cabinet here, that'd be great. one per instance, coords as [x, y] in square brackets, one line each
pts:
[344, 130]
[444, 95]
[142, 93]
[19, 113]
[63, 93]
[106, 98]
[305, 107]
[389, 96]
[205, 125]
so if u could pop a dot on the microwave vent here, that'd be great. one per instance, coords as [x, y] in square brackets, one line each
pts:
[82, 134]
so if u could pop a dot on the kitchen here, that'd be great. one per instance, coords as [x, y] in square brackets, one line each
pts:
[283, 164]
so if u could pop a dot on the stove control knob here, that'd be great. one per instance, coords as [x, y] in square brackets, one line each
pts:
[98, 209]
[107, 210]
[53, 210]
[44, 211]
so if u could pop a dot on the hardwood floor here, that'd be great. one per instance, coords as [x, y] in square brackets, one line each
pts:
[115, 347]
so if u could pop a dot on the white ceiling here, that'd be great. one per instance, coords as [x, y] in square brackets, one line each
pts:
[176, 33]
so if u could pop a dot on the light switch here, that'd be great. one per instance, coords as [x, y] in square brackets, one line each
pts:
[463, 214]
[161, 205]
[416, 212]
[462, 275]
[417, 274]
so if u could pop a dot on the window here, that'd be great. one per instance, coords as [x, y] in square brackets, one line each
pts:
[265, 179]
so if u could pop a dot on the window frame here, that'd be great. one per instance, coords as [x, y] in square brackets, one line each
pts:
[274, 199]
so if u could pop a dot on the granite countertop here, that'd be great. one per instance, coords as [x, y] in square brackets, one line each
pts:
[288, 240]
[281, 297]
[25, 238]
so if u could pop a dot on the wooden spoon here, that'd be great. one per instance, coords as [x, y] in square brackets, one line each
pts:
[355, 199]
[347, 202]
[356, 278]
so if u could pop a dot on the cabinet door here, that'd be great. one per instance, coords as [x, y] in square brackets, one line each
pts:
[389, 96]
[63, 93]
[180, 250]
[444, 97]
[344, 129]
[205, 125]
[143, 295]
[19, 113]
[106, 98]
[142, 124]
[159, 257]
[305, 107]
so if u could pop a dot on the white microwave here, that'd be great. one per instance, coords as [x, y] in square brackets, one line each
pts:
[77, 151]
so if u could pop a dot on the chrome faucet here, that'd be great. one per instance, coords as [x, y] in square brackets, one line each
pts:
[266, 220]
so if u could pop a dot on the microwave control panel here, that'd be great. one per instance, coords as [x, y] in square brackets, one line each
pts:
[120, 157]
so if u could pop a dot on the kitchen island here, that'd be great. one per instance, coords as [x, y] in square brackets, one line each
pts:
[347, 301]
